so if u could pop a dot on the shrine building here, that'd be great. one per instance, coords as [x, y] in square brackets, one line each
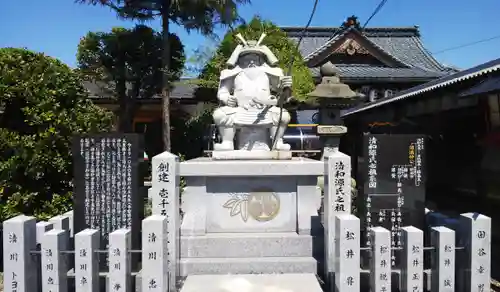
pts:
[378, 62]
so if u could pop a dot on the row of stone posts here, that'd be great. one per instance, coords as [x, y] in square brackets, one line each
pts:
[453, 268]
[29, 268]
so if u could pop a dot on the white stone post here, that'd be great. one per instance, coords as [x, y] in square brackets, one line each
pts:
[70, 216]
[347, 253]
[443, 259]
[380, 272]
[54, 262]
[41, 228]
[475, 236]
[61, 222]
[87, 242]
[19, 267]
[412, 256]
[165, 201]
[337, 201]
[120, 243]
[155, 274]
[65, 222]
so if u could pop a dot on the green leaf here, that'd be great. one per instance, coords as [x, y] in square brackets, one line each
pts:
[44, 104]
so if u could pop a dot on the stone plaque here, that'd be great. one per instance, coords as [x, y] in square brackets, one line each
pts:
[412, 260]
[20, 267]
[155, 273]
[475, 274]
[87, 261]
[347, 253]
[54, 264]
[165, 202]
[443, 259]
[119, 278]
[394, 184]
[337, 200]
[380, 272]
[107, 184]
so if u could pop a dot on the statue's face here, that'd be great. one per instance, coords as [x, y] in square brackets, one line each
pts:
[250, 60]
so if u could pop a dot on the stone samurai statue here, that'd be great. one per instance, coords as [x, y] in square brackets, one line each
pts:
[248, 90]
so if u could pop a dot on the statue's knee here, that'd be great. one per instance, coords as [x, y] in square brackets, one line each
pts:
[285, 117]
[218, 116]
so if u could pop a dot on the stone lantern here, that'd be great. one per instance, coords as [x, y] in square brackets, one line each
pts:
[333, 96]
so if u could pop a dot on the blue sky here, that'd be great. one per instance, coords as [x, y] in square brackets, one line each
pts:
[55, 26]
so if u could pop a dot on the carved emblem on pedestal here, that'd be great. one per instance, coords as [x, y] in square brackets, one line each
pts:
[261, 204]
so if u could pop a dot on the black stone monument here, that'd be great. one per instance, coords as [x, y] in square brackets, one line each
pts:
[107, 184]
[394, 184]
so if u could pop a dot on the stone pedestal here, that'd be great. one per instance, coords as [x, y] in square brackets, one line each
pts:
[252, 283]
[249, 216]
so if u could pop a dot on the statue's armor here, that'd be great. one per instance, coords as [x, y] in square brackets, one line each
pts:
[246, 93]
[246, 89]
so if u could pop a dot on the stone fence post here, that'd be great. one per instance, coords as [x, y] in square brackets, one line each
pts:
[165, 195]
[337, 201]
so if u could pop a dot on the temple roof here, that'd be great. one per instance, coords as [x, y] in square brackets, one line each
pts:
[363, 72]
[484, 70]
[400, 45]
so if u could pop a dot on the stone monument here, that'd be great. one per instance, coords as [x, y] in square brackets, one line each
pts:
[251, 208]
[250, 91]
[107, 185]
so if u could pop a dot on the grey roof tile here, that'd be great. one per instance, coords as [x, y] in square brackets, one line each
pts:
[402, 43]
[362, 71]
[481, 71]
[367, 71]
[310, 44]
[409, 50]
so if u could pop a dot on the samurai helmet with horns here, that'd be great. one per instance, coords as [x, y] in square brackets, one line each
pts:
[252, 47]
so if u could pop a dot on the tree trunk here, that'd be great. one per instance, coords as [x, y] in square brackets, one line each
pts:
[165, 80]
[124, 113]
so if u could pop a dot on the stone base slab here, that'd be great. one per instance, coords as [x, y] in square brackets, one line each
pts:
[265, 265]
[252, 283]
[251, 155]
[246, 245]
[208, 167]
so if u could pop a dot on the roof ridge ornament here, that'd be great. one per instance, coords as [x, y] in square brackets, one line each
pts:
[352, 22]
